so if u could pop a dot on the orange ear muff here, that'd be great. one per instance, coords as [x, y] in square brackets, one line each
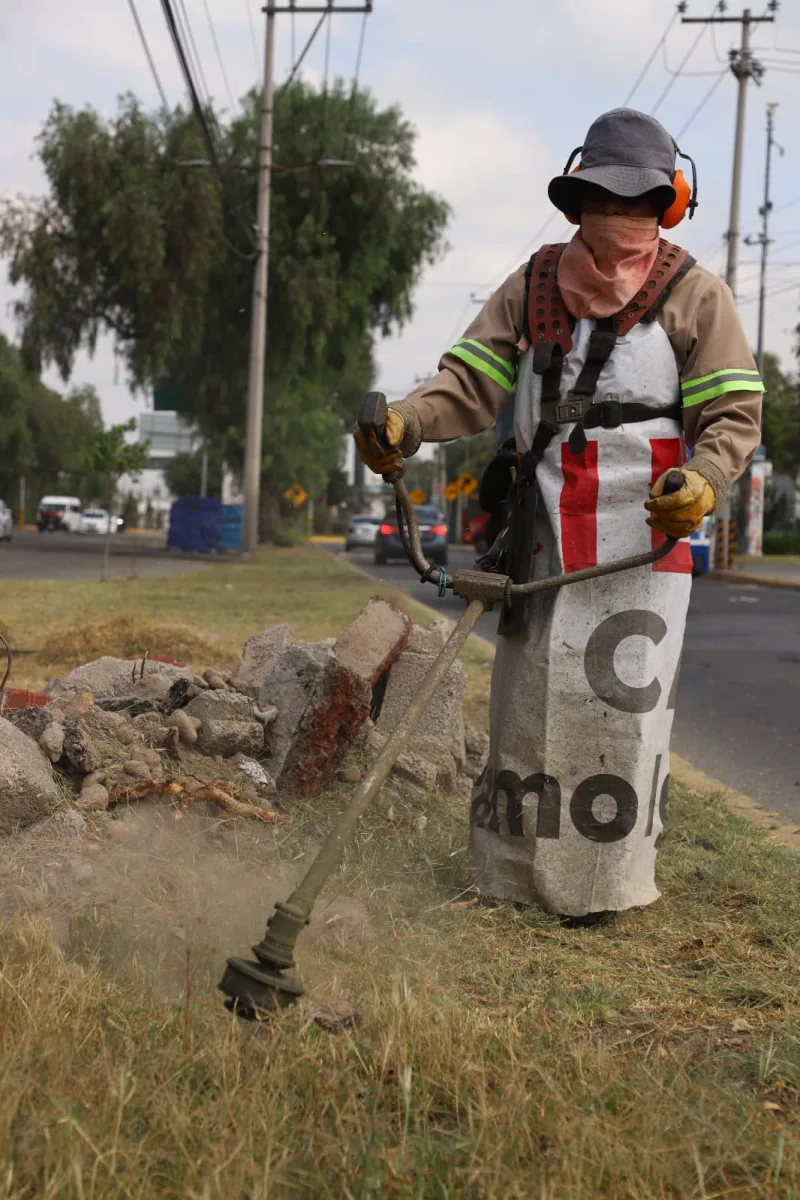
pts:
[573, 220]
[677, 210]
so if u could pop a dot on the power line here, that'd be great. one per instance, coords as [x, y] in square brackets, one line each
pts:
[720, 76]
[252, 35]
[678, 73]
[291, 77]
[686, 74]
[153, 71]
[518, 258]
[188, 35]
[640, 77]
[356, 74]
[218, 54]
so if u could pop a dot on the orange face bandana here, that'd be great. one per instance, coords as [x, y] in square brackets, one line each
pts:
[606, 263]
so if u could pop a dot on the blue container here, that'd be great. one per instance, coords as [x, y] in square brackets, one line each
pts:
[232, 526]
[195, 524]
[700, 545]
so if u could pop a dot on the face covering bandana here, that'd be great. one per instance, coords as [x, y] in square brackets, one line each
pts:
[606, 263]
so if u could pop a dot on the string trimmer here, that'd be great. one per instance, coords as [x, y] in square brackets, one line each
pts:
[256, 988]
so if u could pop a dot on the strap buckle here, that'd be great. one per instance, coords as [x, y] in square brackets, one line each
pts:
[568, 411]
[611, 414]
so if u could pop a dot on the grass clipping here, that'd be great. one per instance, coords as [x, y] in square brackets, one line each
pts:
[128, 636]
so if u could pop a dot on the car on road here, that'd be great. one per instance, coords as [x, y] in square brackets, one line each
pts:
[97, 520]
[433, 535]
[361, 531]
[6, 522]
[59, 512]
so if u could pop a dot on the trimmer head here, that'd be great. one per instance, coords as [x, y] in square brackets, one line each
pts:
[255, 990]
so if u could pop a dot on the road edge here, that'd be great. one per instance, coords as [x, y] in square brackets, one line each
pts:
[683, 773]
[772, 581]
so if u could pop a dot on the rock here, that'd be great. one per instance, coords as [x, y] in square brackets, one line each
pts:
[477, 750]
[259, 657]
[446, 773]
[335, 1015]
[181, 692]
[321, 706]
[78, 705]
[93, 798]
[118, 677]
[80, 749]
[418, 770]
[64, 825]
[266, 715]
[199, 683]
[254, 770]
[94, 777]
[215, 679]
[52, 741]
[187, 730]
[136, 769]
[462, 788]
[441, 730]
[147, 755]
[228, 725]
[374, 640]
[430, 639]
[351, 774]
[28, 790]
[33, 721]
[150, 728]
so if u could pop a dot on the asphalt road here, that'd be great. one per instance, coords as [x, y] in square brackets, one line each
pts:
[72, 556]
[738, 709]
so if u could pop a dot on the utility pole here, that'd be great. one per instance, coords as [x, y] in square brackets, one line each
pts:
[258, 326]
[763, 239]
[744, 68]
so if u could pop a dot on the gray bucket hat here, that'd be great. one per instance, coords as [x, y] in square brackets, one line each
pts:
[627, 153]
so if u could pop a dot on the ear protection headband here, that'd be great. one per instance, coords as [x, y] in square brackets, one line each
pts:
[685, 196]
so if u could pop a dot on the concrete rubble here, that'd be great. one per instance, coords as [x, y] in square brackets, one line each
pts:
[286, 722]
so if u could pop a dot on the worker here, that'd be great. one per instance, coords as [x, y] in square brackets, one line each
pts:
[622, 352]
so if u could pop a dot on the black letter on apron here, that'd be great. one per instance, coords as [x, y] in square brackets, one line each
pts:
[584, 820]
[599, 660]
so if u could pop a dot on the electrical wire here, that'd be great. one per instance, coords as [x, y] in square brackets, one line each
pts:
[686, 74]
[770, 292]
[200, 117]
[325, 90]
[720, 76]
[717, 54]
[218, 53]
[292, 74]
[525, 251]
[640, 77]
[250, 22]
[188, 35]
[153, 71]
[684, 61]
[356, 73]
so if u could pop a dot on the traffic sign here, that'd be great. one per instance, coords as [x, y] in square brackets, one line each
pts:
[417, 496]
[467, 484]
[451, 491]
[296, 495]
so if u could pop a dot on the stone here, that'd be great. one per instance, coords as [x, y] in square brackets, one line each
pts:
[374, 640]
[65, 824]
[254, 770]
[337, 708]
[78, 705]
[417, 770]
[80, 749]
[440, 734]
[187, 730]
[109, 677]
[477, 751]
[147, 755]
[266, 715]
[228, 725]
[93, 798]
[52, 741]
[215, 679]
[150, 728]
[33, 721]
[136, 769]
[351, 774]
[28, 789]
[430, 639]
[290, 686]
[259, 656]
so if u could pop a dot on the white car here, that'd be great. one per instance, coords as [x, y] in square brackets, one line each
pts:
[97, 520]
[6, 522]
[361, 531]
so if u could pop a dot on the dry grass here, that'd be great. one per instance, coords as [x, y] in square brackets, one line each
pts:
[499, 1055]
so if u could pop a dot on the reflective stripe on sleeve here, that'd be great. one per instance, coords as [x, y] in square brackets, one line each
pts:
[708, 387]
[481, 358]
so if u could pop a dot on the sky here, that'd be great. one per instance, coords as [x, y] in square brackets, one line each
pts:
[500, 93]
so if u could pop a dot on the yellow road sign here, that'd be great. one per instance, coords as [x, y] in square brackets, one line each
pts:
[417, 496]
[467, 484]
[451, 491]
[296, 495]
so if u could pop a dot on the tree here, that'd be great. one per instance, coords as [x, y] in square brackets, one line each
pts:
[127, 241]
[781, 417]
[110, 456]
[183, 473]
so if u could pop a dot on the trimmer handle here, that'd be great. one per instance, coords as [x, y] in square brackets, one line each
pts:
[372, 418]
[673, 483]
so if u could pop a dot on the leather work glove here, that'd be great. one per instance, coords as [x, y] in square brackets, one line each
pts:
[680, 513]
[372, 455]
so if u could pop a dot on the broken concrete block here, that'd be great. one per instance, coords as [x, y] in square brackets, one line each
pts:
[52, 741]
[417, 770]
[477, 748]
[338, 709]
[108, 677]
[33, 721]
[430, 639]
[259, 656]
[440, 733]
[28, 790]
[374, 640]
[228, 725]
[290, 687]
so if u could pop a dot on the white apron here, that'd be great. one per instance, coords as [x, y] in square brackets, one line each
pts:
[569, 811]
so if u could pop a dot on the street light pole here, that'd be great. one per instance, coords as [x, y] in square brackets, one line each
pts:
[258, 326]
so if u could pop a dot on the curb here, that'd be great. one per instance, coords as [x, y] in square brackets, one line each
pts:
[775, 829]
[773, 581]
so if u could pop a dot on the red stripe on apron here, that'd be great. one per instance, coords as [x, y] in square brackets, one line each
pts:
[578, 507]
[667, 453]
